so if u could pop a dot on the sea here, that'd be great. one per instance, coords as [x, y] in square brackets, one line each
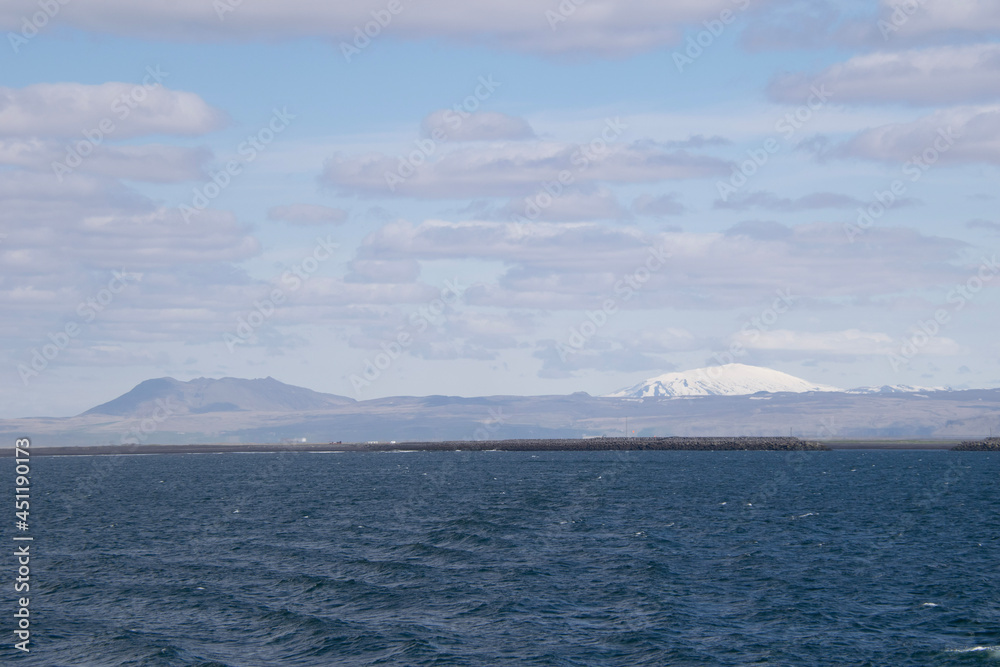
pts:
[881, 558]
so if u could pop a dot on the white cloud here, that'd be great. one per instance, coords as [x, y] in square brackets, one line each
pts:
[662, 339]
[338, 292]
[658, 206]
[482, 126]
[932, 76]
[151, 163]
[849, 342]
[768, 200]
[500, 327]
[797, 24]
[157, 238]
[929, 18]
[67, 110]
[383, 271]
[600, 354]
[979, 223]
[307, 214]
[37, 199]
[568, 266]
[458, 332]
[513, 169]
[610, 27]
[950, 136]
[571, 205]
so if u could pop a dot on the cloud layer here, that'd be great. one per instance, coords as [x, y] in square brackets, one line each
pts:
[68, 110]
[512, 169]
[605, 27]
[934, 76]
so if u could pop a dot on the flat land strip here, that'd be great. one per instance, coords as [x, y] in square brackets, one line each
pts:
[734, 443]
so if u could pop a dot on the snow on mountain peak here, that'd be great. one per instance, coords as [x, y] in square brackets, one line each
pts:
[725, 380]
[895, 389]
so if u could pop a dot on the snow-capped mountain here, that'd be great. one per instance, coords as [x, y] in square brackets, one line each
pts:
[895, 389]
[727, 380]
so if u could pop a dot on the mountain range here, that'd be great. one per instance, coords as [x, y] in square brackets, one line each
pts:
[735, 399]
[742, 380]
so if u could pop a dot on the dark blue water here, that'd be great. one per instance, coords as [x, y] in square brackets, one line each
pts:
[493, 558]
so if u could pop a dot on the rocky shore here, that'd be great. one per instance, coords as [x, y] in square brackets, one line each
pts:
[736, 443]
[603, 444]
[984, 445]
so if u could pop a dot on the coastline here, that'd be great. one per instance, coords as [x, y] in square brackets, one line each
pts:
[678, 443]
[985, 445]
[731, 443]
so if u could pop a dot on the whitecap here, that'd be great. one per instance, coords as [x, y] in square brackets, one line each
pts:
[994, 651]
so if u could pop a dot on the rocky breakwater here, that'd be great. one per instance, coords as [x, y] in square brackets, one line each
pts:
[985, 445]
[737, 443]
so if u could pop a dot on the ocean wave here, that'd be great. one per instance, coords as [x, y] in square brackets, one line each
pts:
[992, 651]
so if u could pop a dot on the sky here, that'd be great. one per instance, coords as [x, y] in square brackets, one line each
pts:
[522, 197]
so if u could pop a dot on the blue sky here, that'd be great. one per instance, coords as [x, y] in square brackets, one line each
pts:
[487, 199]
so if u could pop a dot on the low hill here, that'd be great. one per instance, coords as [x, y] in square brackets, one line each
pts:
[204, 395]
